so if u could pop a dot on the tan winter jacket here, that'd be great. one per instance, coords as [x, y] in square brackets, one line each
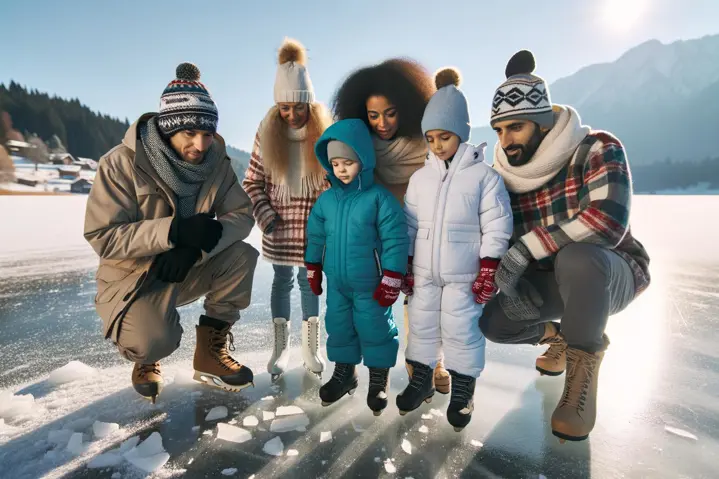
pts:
[128, 217]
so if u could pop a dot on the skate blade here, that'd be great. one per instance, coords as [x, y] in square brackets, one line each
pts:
[545, 372]
[328, 403]
[428, 400]
[152, 399]
[458, 429]
[214, 381]
[377, 413]
[565, 437]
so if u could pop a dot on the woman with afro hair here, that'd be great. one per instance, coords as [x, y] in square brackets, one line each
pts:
[390, 97]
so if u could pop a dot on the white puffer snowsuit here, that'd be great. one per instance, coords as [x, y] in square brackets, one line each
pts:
[456, 216]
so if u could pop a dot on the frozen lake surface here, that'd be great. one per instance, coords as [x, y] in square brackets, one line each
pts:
[659, 383]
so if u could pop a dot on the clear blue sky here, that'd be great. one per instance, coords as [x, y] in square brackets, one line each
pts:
[117, 56]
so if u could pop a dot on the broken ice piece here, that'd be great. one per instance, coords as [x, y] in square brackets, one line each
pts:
[192, 459]
[232, 433]
[273, 447]
[233, 421]
[208, 432]
[150, 463]
[325, 436]
[79, 425]
[104, 429]
[427, 416]
[389, 467]
[195, 428]
[250, 421]
[292, 452]
[268, 415]
[267, 398]
[72, 371]
[406, 446]
[436, 412]
[288, 411]
[424, 429]
[109, 459]
[291, 423]
[75, 445]
[151, 446]
[229, 472]
[58, 437]
[129, 444]
[476, 443]
[218, 412]
[377, 460]
[324, 462]
[680, 432]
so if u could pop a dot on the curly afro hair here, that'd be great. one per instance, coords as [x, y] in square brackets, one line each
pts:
[405, 83]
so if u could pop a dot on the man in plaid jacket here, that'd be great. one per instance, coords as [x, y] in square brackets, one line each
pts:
[573, 256]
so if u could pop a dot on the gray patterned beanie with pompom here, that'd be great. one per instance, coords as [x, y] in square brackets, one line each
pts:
[186, 104]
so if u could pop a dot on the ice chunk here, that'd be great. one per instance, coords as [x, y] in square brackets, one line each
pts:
[219, 412]
[72, 371]
[149, 447]
[290, 423]
[75, 445]
[406, 446]
[150, 463]
[476, 443]
[128, 444]
[377, 460]
[232, 421]
[12, 406]
[292, 452]
[424, 429]
[267, 398]
[109, 459]
[389, 467]
[436, 412]
[195, 428]
[116, 475]
[207, 433]
[230, 433]
[250, 421]
[427, 416]
[59, 437]
[268, 415]
[104, 429]
[192, 459]
[324, 462]
[229, 472]
[680, 432]
[79, 425]
[288, 411]
[274, 446]
[325, 436]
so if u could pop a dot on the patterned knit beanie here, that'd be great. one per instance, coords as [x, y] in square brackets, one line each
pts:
[447, 109]
[186, 104]
[292, 82]
[523, 96]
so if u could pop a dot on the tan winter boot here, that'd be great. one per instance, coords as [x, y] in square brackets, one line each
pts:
[147, 380]
[576, 413]
[213, 364]
[554, 360]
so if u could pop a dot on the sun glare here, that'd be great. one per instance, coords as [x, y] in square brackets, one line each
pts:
[622, 15]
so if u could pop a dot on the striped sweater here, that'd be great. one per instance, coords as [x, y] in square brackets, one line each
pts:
[285, 244]
[588, 201]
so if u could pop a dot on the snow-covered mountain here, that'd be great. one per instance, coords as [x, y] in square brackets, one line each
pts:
[661, 100]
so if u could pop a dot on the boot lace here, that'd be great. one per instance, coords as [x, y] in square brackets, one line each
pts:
[378, 378]
[146, 369]
[279, 333]
[580, 372]
[462, 390]
[420, 374]
[342, 371]
[557, 347]
[218, 344]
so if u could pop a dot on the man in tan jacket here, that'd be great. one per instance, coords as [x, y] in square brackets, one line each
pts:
[168, 217]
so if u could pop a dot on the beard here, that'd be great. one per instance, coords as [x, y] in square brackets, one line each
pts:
[524, 152]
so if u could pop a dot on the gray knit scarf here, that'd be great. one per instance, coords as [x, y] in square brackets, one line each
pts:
[184, 178]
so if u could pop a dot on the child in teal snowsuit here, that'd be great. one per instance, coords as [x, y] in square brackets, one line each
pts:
[357, 235]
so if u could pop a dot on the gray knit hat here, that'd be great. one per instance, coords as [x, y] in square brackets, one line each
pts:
[186, 103]
[447, 109]
[338, 149]
[292, 82]
[523, 96]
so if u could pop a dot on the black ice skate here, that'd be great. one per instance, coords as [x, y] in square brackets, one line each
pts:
[420, 388]
[461, 403]
[378, 387]
[343, 381]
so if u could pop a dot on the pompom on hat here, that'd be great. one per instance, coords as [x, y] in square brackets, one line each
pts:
[292, 81]
[523, 96]
[447, 109]
[186, 104]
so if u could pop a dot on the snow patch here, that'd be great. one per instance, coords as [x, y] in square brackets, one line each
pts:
[104, 429]
[424, 430]
[427, 416]
[218, 412]
[291, 423]
[230, 433]
[406, 446]
[72, 371]
[325, 436]
[17, 407]
[274, 446]
[436, 412]
[250, 421]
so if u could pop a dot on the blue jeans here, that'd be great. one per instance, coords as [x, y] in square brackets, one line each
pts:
[282, 285]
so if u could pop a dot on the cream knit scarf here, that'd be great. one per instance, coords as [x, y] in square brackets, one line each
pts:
[398, 159]
[553, 153]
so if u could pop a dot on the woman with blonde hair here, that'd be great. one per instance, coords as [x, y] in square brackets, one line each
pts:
[284, 180]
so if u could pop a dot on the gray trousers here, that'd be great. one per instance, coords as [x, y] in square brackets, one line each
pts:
[588, 284]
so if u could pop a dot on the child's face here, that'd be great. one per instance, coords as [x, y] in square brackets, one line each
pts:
[443, 144]
[346, 170]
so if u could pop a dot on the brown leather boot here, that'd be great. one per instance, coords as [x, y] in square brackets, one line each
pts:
[213, 364]
[147, 380]
[442, 379]
[554, 360]
[576, 413]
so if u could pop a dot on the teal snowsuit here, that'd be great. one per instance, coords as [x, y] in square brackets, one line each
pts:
[356, 231]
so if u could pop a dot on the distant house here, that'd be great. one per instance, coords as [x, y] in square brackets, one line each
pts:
[70, 172]
[82, 185]
[28, 181]
[19, 148]
[62, 159]
[86, 164]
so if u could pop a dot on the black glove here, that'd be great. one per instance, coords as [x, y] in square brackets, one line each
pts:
[525, 305]
[172, 266]
[200, 231]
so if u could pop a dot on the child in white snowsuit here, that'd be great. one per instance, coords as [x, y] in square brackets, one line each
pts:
[460, 222]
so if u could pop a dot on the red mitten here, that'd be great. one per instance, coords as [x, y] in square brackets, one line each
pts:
[408, 279]
[388, 290]
[484, 287]
[314, 277]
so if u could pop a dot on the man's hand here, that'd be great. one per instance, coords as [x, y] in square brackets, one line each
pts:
[199, 231]
[525, 306]
[511, 268]
[173, 266]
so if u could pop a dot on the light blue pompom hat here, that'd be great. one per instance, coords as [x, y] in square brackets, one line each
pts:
[447, 109]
